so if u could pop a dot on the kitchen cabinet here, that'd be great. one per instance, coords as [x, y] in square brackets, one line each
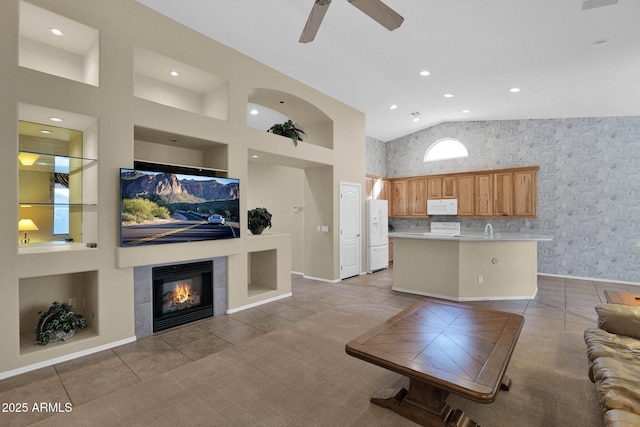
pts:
[390, 250]
[449, 187]
[483, 190]
[525, 193]
[503, 193]
[481, 194]
[368, 188]
[419, 190]
[465, 189]
[400, 197]
[434, 188]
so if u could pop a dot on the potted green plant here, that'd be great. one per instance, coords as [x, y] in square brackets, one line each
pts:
[259, 219]
[289, 130]
[58, 323]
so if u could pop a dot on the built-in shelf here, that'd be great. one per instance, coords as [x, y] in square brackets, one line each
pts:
[28, 346]
[173, 149]
[171, 82]
[262, 272]
[38, 293]
[274, 106]
[56, 45]
[58, 197]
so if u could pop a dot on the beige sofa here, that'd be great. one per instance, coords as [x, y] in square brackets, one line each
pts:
[614, 363]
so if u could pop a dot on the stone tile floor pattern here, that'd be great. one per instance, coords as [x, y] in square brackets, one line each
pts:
[280, 364]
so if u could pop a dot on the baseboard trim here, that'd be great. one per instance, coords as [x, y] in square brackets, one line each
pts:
[64, 358]
[562, 276]
[256, 304]
[466, 299]
[320, 279]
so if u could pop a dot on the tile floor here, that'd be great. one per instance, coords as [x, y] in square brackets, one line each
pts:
[263, 366]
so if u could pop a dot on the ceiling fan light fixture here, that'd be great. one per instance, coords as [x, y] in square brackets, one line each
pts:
[375, 9]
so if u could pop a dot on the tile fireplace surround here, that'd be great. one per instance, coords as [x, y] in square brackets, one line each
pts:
[143, 290]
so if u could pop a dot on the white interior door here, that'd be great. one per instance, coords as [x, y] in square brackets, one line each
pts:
[350, 230]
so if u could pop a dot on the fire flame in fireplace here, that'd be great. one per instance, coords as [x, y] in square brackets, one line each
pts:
[181, 292]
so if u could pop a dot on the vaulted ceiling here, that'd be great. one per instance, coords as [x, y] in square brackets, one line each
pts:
[569, 58]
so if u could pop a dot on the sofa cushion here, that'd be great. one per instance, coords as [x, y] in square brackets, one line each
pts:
[601, 343]
[618, 418]
[619, 319]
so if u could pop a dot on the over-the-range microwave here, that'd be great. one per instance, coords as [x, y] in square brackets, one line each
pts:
[442, 207]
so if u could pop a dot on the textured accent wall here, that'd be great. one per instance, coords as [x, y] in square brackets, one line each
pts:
[588, 185]
[376, 157]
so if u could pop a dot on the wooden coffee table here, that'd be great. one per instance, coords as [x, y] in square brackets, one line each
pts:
[626, 298]
[443, 348]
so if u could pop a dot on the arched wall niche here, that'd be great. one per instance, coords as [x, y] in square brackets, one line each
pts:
[271, 103]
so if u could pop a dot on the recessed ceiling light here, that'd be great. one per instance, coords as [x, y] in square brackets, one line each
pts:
[415, 116]
[255, 156]
[393, 107]
[600, 42]
[174, 73]
[46, 131]
[466, 111]
[56, 119]
[424, 73]
[448, 95]
[514, 90]
[253, 112]
[56, 32]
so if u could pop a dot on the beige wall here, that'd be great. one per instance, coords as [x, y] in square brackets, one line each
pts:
[108, 269]
[280, 189]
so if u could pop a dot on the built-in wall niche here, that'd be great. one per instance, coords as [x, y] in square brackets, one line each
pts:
[57, 180]
[57, 45]
[267, 107]
[80, 290]
[263, 277]
[156, 146]
[168, 81]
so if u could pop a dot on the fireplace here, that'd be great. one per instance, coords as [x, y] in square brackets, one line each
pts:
[182, 293]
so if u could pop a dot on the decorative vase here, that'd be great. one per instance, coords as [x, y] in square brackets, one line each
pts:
[258, 230]
[61, 335]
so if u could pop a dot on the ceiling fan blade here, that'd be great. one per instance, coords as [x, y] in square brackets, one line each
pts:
[379, 12]
[315, 19]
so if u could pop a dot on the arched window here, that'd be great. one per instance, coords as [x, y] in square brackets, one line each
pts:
[446, 148]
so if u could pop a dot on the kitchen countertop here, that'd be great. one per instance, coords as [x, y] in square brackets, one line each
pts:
[471, 236]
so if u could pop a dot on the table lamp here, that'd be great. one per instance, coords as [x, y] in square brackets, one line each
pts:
[26, 225]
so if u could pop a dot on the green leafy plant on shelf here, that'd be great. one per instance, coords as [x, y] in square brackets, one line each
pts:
[58, 323]
[259, 219]
[289, 130]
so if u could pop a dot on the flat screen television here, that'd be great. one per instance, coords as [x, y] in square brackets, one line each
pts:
[173, 204]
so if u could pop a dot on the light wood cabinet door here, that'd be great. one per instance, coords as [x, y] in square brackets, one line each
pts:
[368, 188]
[484, 194]
[418, 191]
[385, 192]
[449, 187]
[465, 189]
[525, 193]
[503, 193]
[434, 188]
[400, 198]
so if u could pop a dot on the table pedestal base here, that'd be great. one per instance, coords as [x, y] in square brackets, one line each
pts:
[426, 404]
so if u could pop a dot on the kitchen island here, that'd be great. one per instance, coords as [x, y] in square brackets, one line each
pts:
[466, 267]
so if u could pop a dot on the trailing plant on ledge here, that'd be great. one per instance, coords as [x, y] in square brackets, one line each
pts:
[289, 130]
[57, 323]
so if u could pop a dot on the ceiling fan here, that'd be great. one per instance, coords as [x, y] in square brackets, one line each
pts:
[378, 11]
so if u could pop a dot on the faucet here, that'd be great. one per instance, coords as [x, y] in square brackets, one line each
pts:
[488, 229]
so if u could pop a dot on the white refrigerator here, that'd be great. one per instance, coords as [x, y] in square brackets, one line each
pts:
[377, 235]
